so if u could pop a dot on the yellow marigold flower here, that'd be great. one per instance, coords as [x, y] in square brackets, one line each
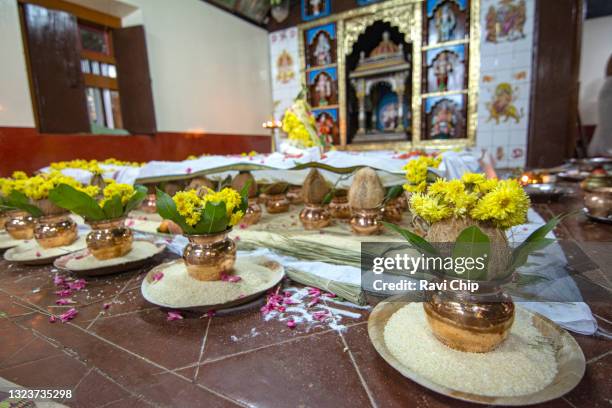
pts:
[487, 185]
[229, 196]
[429, 208]
[416, 188]
[505, 205]
[236, 217]
[124, 191]
[416, 169]
[189, 205]
[19, 175]
[473, 178]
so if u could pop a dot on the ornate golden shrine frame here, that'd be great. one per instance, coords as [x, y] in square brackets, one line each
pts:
[407, 17]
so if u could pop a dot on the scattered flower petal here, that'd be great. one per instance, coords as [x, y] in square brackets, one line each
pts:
[52, 319]
[59, 280]
[64, 301]
[174, 316]
[64, 293]
[106, 306]
[38, 254]
[69, 315]
[157, 276]
[291, 324]
[77, 285]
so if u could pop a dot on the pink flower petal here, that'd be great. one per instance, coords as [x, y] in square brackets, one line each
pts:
[64, 293]
[106, 306]
[329, 295]
[157, 276]
[38, 254]
[69, 315]
[314, 292]
[189, 170]
[52, 319]
[64, 301]
[59, 280]
[77, 285]
[291, 324]
[211, 313]
[174, 316]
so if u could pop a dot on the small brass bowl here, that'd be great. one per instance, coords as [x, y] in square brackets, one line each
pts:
[366, 221]
[340, 208]
[55, 231]
[598, 201]
[209, 256]
[277, 203]
[294, 195]
[315, 216]
[252, 215]
[392, 211]
[109, 239]
[19, 225]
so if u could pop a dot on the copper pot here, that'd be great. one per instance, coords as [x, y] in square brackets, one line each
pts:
[366, 221]
[19, 224]
[208, 256]
[294, 195]
[109, 238]
[55, 231]
[392, 210]
[149, 205]
[3, 219]
[475, 322]
[339, 207]
[277, 203]
[262, 198]
[315, 216]
[598, 201]
[252, 215]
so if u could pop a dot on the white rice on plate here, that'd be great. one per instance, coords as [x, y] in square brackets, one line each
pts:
[523, 364]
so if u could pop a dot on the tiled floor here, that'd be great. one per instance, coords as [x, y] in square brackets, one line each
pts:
[130, 356]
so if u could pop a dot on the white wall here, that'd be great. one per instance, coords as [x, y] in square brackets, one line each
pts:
[210, 70]
[15, 105]
[596, 49]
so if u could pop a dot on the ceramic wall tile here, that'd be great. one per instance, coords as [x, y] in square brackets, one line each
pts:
[506, 64]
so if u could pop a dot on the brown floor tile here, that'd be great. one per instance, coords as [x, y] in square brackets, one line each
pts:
[171, 391]
[313, 371]
[60, 372]
[95, 390]
[123, 367]
[129, 301]
[133, 402]
[595, 389]
[32, 350]
[171, 344]
[12, 339]
[10, 306]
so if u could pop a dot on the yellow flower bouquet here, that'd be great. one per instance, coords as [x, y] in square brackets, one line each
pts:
[299, 124]
[206, 218]
[116, 200]
[418, 174]
[207, 213]
[471, 215]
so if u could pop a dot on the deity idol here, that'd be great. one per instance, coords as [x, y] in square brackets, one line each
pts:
[323, 88]
[442, 122]
[442, 67]
[316, 7]
[445, 23]
[388, 117]
[322, 51]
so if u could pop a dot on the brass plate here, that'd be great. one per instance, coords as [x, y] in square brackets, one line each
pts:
[570, 359]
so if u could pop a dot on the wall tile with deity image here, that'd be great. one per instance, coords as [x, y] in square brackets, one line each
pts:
[326, 122]
[504, 20]
[446, 21]
[313, 9]
[446, 69]
[444, 117]
[322, 87]
[320, 45]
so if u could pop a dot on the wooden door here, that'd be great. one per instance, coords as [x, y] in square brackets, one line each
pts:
[134, 80]
[55, 68]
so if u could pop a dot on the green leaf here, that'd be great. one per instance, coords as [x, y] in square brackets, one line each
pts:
[78, 202]
[113, 207]
[214, 219]
[328, 197]
[394, 192]
[140, 192]
[244, 196]
[416, 241]
[19, 200]
[166, 208]
[472, 243]
[535, 241]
